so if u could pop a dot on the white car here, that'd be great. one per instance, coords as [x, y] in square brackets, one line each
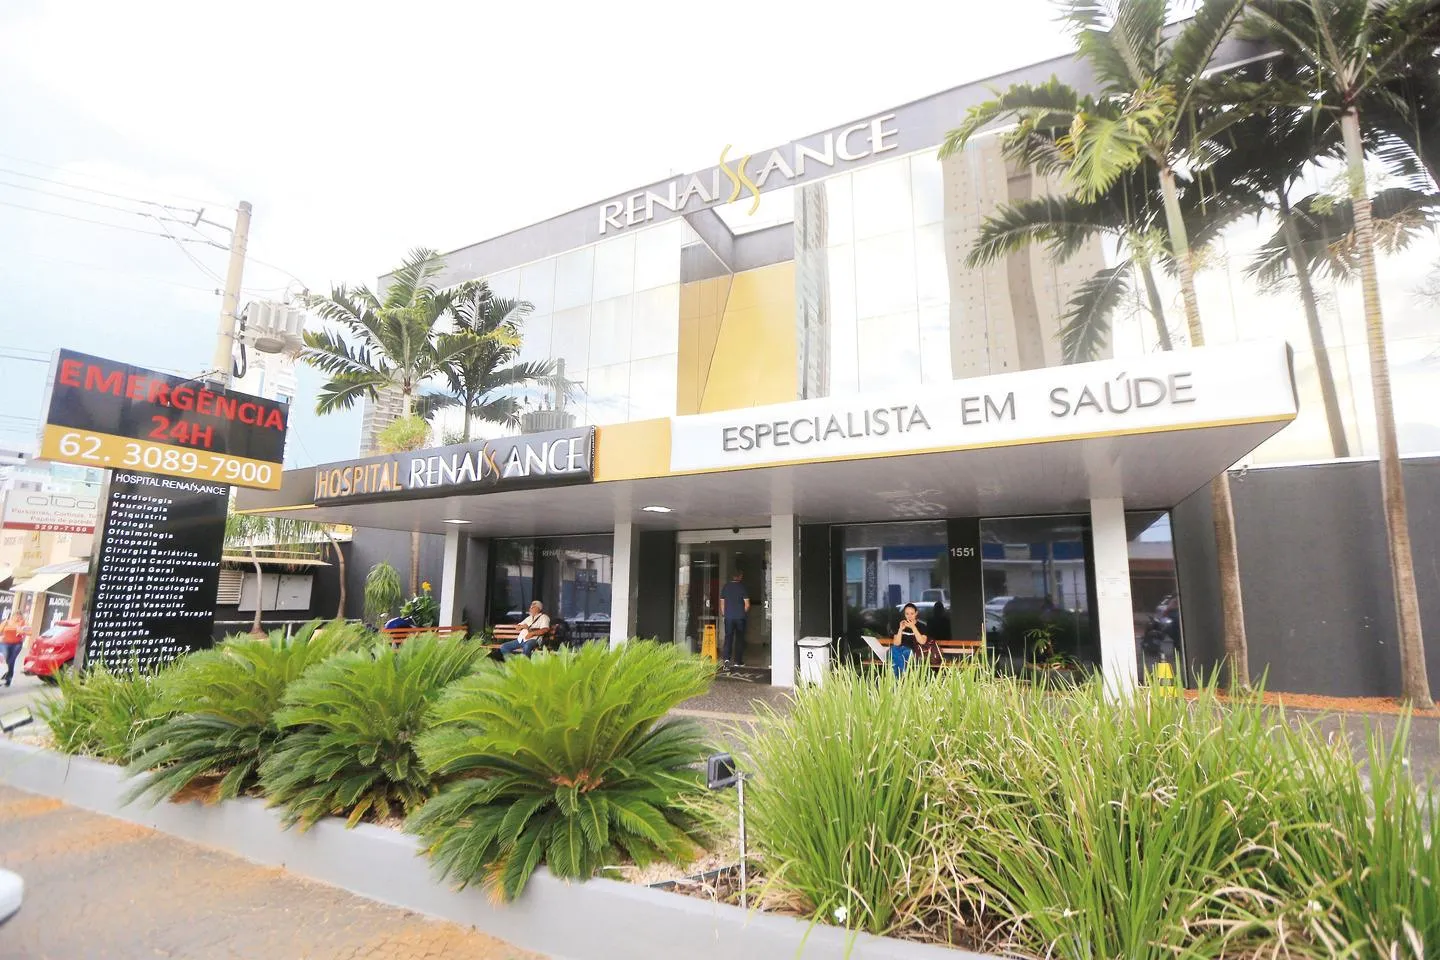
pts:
[12, 891]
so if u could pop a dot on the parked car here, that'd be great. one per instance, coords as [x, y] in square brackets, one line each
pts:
[53, 649]
[12, 891]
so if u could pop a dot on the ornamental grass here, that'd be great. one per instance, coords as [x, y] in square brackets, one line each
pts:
[987, 813]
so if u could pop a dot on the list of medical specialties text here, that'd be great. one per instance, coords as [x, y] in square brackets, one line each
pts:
[158, 571]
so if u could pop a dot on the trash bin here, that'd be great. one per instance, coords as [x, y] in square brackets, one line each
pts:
[814, 659]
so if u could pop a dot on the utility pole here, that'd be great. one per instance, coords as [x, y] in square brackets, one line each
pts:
[224, 362]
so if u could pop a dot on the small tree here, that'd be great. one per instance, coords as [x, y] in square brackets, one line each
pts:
[382, 592]
[250, 531]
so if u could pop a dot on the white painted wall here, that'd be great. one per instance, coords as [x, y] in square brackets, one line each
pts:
[1114, 612]
[784, 574]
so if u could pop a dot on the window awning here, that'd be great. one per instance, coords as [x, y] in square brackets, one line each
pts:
[39, 583]
[275, 561]
[67, 568]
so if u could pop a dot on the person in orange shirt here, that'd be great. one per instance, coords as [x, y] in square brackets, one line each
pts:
[12, 637]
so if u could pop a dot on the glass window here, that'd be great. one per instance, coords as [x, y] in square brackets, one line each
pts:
[574, 278]
[889, 350]
[535, 337]
[505, 284]
[655, 326]
[932, 272]
[1037, 593]
[657, 255]
[839, 210]
[571, 338]
[882, 198]
[885, 274]
[1154, 593]
[888, 565]
[652, 387]
[927, 188]
[607, 394]
[537, 285]
[935, 366]
[610, 331]
[570, 576]
[614, 267]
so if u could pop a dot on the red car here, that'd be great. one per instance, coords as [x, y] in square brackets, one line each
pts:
[53, 649]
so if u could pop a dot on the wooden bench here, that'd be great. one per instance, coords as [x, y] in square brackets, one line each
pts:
[952, 650]
[399, 635]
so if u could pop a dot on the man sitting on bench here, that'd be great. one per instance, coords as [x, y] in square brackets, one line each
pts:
[533, 629]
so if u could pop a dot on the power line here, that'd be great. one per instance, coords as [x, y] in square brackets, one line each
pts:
[104, 223]
[93, 203]
[190, 256]
[90, 176]
[103, 193]
[125, 273]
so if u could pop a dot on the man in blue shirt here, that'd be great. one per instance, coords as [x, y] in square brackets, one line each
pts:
[734, 605]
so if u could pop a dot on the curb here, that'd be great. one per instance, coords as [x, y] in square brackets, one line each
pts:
[596, 920]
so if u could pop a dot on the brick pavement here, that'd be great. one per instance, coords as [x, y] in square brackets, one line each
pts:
[96, 887]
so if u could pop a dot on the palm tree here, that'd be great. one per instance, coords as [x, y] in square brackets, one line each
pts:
[484, 348]
[1151, 89]
[1347, 51]
[249, 531]
[393, 342]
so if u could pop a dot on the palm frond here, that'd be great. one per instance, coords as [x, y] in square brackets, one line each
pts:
[1085, 325]
[1193, 49]
[1037, 106]
[413, 282]
[1063, 222]
[342, 391]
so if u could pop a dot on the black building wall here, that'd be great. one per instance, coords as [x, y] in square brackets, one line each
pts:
[370, 546]
[655, 570]
[324, 598]
[1315, 575]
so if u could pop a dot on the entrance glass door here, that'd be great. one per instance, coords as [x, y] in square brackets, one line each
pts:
[705, 568]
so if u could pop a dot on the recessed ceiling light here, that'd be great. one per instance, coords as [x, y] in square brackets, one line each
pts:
[456, 520]
[656, 508]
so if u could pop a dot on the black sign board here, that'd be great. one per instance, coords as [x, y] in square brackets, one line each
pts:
[553, 458]
[102, 413]
[157, 571]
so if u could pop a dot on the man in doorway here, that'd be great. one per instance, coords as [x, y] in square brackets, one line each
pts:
[532, 630]
[734, 606]
[12, 638]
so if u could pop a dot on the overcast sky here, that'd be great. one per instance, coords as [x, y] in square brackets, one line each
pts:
[359, 130]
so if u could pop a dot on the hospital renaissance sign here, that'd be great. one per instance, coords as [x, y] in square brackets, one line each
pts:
[1187, 389]
[554, 458]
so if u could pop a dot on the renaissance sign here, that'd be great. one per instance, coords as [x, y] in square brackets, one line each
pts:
[510, 463]
[1187, 389]
[788, 164]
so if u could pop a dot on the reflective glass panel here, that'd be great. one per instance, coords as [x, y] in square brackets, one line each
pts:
[927, 188]
[571, 338]
[1037, 594]
[610, 331]
[614, 267]
[882, 198]
[655, 327]
[889, 351]
[537, 285]
[574, 278]
[657, 255]
[885, 274]
[607, 394]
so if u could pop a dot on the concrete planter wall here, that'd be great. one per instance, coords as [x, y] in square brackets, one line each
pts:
[596, 920]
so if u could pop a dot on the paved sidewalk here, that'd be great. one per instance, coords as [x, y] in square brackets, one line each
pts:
[110, 890]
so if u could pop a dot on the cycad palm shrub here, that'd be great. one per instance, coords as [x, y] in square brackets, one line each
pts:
[352, 721]
[565, 759]
[101, 714]
[222, 705]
